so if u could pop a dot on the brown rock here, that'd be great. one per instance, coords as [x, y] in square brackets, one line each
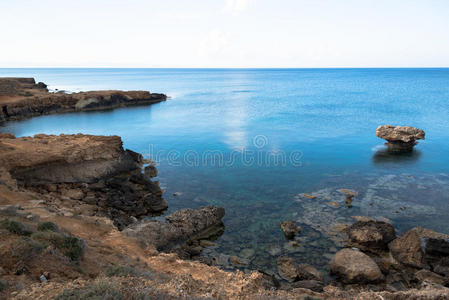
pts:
[97, 165]
[308, 272]
[180, 227]
[353, 266]
[371, 234]
[428, 276]
[400, 138]
[22, 98]
[350, 194]
[290, 229]
[287, 268]
[333, 204]
[305, 195]
[7, 135]
[408, 250]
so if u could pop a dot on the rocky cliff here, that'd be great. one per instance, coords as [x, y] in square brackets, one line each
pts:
[95, 170]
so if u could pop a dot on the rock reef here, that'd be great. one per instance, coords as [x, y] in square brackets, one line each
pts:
[400, 138]
[23, 98]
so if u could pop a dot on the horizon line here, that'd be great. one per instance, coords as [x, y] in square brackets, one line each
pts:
[224, 68]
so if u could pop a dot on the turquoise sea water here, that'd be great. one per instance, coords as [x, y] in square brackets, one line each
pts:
[252, 140]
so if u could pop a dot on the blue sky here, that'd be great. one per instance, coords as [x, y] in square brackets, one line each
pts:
[224, 33]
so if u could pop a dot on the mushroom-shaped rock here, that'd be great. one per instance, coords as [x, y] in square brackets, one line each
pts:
[290, 229]
[400, 138]
[353, 266]
[371, 234]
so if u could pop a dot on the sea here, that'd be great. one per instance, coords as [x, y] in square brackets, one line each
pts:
[271, 145]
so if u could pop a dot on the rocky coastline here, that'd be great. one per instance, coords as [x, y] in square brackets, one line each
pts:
[74, 219]
[22, 98]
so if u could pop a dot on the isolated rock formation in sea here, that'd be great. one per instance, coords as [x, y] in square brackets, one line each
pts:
[22, 98]
[400, 138]
[95, 170]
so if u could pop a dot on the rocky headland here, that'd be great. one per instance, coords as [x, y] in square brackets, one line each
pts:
[23, 98]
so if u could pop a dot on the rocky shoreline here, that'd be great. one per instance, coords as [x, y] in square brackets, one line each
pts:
[73, 219]
[22, 98]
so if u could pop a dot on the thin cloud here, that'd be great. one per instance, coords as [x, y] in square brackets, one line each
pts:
[235, 7]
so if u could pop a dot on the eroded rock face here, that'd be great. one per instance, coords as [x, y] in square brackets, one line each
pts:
[400, 138]
[290, 229]
[179, 227]
[23, 98]
[92, 169]
[371, 234]
[353, 266]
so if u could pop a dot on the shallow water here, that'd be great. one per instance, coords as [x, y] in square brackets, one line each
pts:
[252, 140]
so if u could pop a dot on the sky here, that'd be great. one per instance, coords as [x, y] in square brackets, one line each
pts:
[224, 33]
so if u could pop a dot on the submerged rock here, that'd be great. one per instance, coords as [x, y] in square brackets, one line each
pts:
[350, 194]
[274, 250]
[400, 138]
[290, 229]
[354, 266]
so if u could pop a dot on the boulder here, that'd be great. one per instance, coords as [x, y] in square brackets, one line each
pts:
[371, 234]
[287, 268]
[419, 246]
[290, 229]
[353, 266]
[400, 138]
[308, 272]
[178, 227]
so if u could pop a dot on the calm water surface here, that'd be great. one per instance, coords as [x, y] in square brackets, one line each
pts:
[254, 140]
